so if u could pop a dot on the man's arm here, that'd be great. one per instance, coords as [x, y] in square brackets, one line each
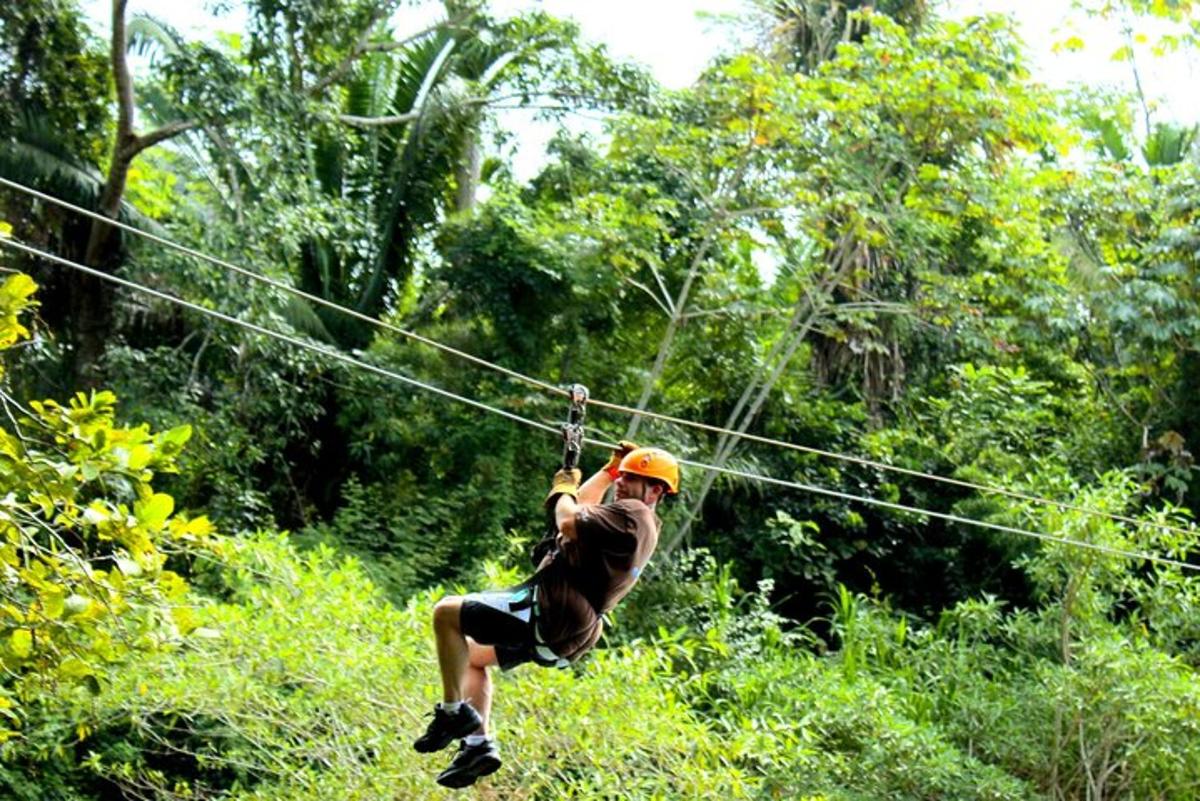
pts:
[590, 493]
[594, 488]
[564, 515]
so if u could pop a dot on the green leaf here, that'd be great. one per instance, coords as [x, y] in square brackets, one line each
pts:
[19, 285]
[139, 457]
[74, 668]
[96, 514]
[53, 605]
[154, 511]
[77, 604]
[177, 436]
[128, 567]
[21, 642]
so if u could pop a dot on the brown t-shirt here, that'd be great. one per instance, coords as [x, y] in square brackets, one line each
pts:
[590, 574]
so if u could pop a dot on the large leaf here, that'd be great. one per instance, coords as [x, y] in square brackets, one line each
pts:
[1169, 144]
[149, 35]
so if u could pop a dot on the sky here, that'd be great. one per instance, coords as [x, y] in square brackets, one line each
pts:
[1169, 81]
[677, 38]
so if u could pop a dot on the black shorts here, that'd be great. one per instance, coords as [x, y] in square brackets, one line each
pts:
[507, 620]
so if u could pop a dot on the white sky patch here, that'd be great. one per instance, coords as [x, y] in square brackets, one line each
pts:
[1169, 81]
[677, 39]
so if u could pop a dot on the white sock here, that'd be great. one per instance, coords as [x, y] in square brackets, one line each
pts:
[476, 739]
[450, 707]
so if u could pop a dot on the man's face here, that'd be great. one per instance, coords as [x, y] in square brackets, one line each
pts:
[637, 487]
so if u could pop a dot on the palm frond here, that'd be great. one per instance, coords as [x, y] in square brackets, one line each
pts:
[34, 156]
[149, 34]
[418, 69]
[371, 91]
[302, 317]
[497, 66]
[477, 56]
[48, 172]
[328, 164]
[1168, 144]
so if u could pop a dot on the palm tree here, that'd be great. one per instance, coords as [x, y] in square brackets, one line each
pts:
[807, 32]
[413, 156]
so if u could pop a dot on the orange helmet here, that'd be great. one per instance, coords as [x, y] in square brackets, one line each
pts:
[652, 463]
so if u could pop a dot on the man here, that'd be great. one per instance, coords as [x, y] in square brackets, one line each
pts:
[555, 617]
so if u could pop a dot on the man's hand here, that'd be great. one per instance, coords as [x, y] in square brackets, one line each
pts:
[566, 482]
[619, 453]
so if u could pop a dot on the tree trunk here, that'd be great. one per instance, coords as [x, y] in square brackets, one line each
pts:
[92, 298]
[468, 171]
[664, 345]
[720, 217]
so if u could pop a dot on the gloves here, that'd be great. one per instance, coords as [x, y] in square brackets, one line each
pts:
[614, 461]
[566, 482]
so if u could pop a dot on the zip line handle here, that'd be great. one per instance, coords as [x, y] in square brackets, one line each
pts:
[573, 428]
[572, 432]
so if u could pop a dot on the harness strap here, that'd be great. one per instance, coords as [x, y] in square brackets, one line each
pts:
[544, 652]
[525, 600]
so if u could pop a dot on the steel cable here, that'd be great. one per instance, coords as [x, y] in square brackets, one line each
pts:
[557, 432]
[858, 460]
[395, 329]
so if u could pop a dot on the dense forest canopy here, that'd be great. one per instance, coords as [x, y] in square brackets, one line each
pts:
[951, 314]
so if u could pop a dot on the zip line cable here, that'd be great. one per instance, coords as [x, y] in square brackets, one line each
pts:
[281, 285]
[553, 430]
[953, 518]
[1014, 494]
[276, 334]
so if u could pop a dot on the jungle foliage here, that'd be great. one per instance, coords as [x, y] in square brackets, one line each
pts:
[867, 231]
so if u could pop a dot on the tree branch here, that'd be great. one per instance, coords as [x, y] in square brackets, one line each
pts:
[662, 286]
[140, 143]
[121, 76]
[377, 122]
[363, 46]
[657, 300]
[398, 119]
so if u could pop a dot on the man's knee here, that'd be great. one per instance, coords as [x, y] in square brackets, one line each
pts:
[481, 656]
[446, 612]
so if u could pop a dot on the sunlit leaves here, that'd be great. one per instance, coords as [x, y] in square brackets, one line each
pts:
[82, 533]
[15, 298]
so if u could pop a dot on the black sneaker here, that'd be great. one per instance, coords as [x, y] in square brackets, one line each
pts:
[471, 762]
[447, 727]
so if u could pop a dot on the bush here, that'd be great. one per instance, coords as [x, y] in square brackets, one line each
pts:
[312, 686]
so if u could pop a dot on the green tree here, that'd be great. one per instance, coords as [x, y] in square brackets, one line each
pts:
[400, 134]
[904, 153]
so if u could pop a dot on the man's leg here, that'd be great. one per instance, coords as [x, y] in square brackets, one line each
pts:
[452, 651]
[478, 755]
[452, 718]
[477, 688]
